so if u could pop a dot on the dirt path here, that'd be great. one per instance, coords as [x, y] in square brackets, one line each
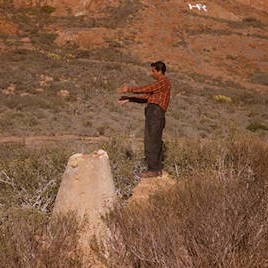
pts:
[43, 139]
[32, 140]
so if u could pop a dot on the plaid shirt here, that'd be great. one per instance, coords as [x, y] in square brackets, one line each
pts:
[158, 92]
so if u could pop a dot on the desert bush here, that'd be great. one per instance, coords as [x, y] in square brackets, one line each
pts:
[222, 98]
[30, 178]
[251, 21]
[43, 38]
[216, 218]
[259, 78]
[256, 126]
[32, 103]
[186, 156]
[29, 238]
[47, 9]
[125, 164]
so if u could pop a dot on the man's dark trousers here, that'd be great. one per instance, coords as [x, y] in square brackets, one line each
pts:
[153, 144]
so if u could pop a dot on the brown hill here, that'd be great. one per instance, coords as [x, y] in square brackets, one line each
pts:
[89, 48]
[228, 40]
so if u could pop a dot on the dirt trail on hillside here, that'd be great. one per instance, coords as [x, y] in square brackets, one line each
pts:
[31, 140]
[4, 139]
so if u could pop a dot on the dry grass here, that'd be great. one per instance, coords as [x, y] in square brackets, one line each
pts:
[31, 239]
[216, 216]
[259, 78]
[126, 163]
[29, 236]
[30, 178]
[29, 181]
[92, 104]
[91, 77]
[213, 218]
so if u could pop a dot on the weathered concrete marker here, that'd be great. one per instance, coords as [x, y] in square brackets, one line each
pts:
[87, 188]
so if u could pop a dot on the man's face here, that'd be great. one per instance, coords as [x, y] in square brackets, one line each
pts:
[155, 74]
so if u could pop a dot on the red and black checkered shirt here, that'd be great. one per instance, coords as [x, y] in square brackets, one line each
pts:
[158, 92]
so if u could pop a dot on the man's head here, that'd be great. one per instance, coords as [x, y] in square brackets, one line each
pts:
[158, 69]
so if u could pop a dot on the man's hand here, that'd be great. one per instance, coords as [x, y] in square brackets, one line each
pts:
[121, 102]
[123, 89]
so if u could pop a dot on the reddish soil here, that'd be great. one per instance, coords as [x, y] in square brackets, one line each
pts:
[230, 40]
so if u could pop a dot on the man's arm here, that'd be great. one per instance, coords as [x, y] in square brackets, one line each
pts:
[142, 99]
[151, 88]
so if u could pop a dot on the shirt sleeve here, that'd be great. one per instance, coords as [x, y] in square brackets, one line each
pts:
[151, 88]
[138, 100]
[141, 99]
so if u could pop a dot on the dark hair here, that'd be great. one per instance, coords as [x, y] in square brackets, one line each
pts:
[159, 66]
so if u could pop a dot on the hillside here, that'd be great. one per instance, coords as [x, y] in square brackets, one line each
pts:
[61, 63]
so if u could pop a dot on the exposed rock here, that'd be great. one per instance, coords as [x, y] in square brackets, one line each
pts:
[69, 7]
[80, 8]
[87, 186]
[63, 93]
[25, 40]
[150, 186]
[25, 94]
[44, 79]
[86, 38]
[26, 44]
[39, 90]
[10, 90]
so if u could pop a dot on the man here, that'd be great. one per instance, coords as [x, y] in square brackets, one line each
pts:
[157, 96]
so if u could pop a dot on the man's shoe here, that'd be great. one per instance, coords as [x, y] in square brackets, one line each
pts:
[150, 174]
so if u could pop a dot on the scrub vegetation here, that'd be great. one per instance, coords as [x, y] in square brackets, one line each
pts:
[216, 147]
[215, 215]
